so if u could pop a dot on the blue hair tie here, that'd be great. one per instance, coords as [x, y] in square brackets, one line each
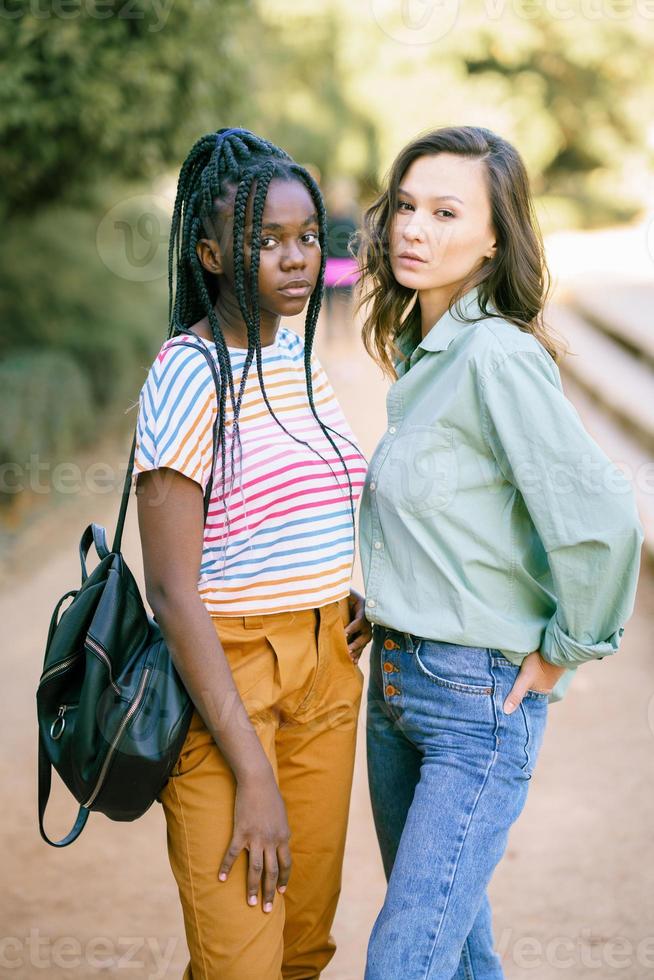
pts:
[224, 133]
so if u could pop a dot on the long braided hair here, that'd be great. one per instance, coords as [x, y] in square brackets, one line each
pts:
[217, 163]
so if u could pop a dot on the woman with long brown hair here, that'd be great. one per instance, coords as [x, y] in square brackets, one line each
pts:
[500, 546]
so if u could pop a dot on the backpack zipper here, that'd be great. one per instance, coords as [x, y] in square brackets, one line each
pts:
[57, 667]
[95, 647]
[138, 697]
[58, 725]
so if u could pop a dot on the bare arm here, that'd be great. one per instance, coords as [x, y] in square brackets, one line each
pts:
[171, 520]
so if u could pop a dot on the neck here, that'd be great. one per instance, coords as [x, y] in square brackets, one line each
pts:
[433, 304]
[233, 326]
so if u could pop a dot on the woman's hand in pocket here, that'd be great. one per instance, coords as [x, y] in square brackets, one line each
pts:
[535, 674]
[261, 827]
[358, 631]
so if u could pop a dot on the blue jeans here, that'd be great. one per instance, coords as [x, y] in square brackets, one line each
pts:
[448, 774]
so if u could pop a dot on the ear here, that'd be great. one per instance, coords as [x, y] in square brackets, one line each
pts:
[491, 250]
[210, 256]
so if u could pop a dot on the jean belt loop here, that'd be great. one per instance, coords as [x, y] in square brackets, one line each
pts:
[408, 639]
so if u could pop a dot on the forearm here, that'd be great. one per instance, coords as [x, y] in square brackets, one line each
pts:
[200, 660]
[595, 585]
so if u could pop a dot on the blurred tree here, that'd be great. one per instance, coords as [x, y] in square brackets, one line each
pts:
[589, 90]
[568, 82]
[92, 88]
[303, 100]
[101, 96]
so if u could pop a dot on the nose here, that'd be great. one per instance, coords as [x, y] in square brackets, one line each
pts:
[293, 257]
[413, 230]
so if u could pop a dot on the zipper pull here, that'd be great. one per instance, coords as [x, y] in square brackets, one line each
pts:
[55, 731]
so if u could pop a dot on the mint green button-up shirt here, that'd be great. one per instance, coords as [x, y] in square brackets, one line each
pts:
[489, 516]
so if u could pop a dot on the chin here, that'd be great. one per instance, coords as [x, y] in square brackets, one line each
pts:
[411, 279]
[286, 305]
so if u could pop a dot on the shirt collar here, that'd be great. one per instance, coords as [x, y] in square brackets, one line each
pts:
[450, 324]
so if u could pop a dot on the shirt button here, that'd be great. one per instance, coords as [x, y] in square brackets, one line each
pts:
[388, 667]
[373, 486]
[390, 644]
[392, 430]
[390, 690]
[371, 603]
[378, 545]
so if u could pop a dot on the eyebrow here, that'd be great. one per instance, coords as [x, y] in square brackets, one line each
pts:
[438, 197]
[273, 226]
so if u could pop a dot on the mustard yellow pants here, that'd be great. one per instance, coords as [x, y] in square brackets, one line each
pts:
[302, 693]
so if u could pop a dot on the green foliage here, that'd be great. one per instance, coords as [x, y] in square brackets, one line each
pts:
[569, 83]
[102, 100]
[46, 409]
[308, 109]
[97, 88]
[76, 340]
[592, 91]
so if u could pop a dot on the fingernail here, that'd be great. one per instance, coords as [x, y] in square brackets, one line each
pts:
[508, 710]
[268, 907]
[282, 889]
[222, 876]
[252, 900]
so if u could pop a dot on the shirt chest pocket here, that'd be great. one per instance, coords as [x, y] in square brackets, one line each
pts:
[419, 474]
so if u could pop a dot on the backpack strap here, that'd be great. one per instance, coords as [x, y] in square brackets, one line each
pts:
[45, 778]
[130, 466]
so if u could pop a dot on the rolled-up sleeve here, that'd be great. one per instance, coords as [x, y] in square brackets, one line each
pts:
[581, 505]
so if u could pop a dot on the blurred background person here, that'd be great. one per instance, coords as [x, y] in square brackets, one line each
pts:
[341, 272]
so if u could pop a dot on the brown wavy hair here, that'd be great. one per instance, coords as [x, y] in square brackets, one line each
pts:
[515, 280]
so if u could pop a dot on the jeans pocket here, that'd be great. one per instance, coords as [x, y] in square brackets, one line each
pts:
[534, 716]
[499, 660]
[538, 695]
[453, 666]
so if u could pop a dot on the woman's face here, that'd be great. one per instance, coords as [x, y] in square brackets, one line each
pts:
[290, 255]
[442, 230]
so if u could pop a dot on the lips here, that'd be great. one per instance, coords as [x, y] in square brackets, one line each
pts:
[296, 287]
[411, 257]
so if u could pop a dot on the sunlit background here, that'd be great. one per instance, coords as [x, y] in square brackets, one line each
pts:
[101, 100]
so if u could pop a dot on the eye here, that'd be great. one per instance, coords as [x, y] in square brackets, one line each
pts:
[311, 238]
[447, 213]
[401, 205]
[268, 241]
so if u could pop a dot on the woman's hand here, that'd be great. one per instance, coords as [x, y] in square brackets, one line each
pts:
[535, 674]
[358, 631]
[260, 826]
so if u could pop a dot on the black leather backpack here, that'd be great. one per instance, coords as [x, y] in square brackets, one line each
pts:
[112, 710]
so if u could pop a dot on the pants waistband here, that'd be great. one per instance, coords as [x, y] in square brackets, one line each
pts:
[268, 620]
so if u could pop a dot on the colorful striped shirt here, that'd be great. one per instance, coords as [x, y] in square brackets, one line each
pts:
[279, 536]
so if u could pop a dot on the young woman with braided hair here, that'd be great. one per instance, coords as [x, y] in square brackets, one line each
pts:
[255, 604]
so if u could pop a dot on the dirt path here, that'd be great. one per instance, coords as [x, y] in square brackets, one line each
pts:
[572, 898]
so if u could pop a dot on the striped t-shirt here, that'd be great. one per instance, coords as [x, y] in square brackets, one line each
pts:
[289, 542]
